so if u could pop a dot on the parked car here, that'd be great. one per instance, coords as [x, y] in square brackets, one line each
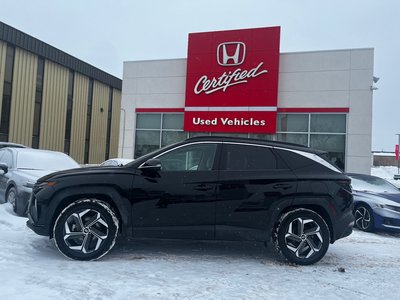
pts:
[376, 203]
[12, 145]
[206, 188]
[116, 162]
[21, 167]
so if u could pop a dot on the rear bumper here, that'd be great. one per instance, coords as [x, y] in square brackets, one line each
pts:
[344, 226]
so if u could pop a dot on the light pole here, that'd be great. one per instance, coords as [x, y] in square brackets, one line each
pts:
[398, 143]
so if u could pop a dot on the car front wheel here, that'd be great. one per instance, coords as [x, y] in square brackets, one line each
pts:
[301, 236]
[364, 219]
[86, 229]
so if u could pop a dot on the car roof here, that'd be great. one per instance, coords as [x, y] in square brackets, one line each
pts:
[32, 150]
[256, 141]
[11, 145]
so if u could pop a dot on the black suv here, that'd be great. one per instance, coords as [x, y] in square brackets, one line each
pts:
[208, 188]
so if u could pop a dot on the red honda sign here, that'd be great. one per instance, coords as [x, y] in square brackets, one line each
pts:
[397, 152]
[232, 81]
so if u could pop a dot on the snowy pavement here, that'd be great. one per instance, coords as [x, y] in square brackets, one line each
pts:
[361, 266]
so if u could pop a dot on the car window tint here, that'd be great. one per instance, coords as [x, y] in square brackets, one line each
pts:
[246, 157]
[198, 157]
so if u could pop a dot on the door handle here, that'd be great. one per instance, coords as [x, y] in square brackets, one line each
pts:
[283, 186]
[203, 187]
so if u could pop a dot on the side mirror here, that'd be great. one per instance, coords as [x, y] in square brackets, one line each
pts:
[4, 167]
[152, 164]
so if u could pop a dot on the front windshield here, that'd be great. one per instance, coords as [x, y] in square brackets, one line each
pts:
[373, 184]
[36, 160]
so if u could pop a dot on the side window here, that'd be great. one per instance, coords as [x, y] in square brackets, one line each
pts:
[7, 158]
[245, 157]
[198, 157]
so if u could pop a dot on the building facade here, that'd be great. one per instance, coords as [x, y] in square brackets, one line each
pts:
[323, 99]
[52, 100]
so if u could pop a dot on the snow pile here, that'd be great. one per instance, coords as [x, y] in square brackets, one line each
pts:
[386, 173]
[361, 266]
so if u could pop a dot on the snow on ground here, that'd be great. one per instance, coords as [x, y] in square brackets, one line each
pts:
[32, 268]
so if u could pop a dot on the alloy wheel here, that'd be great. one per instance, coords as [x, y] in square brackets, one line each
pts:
[362, 218]
[304, 237]
[11, 197]
[85, 231]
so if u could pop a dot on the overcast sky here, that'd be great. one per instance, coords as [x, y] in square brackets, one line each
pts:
[107, 33]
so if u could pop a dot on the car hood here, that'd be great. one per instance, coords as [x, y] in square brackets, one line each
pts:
[378, 198]
[80, 171]
[33, 175]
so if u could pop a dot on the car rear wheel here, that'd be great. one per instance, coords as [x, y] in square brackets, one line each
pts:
[301, 236]
[364, 219]
[86, 229]
[11, 198]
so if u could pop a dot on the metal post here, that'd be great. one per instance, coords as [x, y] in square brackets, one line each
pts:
[398, 166]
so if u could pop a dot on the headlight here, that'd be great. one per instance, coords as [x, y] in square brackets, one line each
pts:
[29, 184]
[390, 207]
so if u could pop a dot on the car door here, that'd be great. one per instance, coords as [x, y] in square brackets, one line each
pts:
[178, 201]
[252, 182]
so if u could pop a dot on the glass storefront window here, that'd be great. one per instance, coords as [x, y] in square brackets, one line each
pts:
[333, 144]
[301, 139]
[146, 141]
[173, 121]
[170, 137]
[148, 121]
[328, 123]
[292, 122]
[325, 132]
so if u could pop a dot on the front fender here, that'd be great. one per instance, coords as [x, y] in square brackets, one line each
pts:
[120, 204]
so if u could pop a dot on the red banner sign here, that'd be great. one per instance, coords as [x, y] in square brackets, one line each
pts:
[232, 81]
[397, 152]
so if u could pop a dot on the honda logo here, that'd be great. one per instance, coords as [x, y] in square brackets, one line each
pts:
[231, 53]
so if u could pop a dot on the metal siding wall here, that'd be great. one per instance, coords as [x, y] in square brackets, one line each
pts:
[78, 126]
[23, 97]
[3, 50]
[115, 121]
[98, 134]
[54, 107]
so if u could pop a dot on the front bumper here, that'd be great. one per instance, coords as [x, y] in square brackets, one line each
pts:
[33, 218]
[38, 229]
[386, 219]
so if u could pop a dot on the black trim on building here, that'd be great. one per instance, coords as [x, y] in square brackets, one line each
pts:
[38, 103]
[70, 104]
[109, 119]
[22, 40]
[88, 121]
[7, 91]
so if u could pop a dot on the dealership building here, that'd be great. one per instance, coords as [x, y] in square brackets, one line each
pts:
[237, 83]
[52, 100]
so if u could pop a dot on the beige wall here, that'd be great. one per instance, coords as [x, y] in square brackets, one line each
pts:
[3, 50]
[54, 107]
[116, 112]
[98, 134]
[79, 116]
[23, 97]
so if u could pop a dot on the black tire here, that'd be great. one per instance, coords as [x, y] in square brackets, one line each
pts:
[301, 236]
[92, 229]
[364, 218]
[12, 198]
